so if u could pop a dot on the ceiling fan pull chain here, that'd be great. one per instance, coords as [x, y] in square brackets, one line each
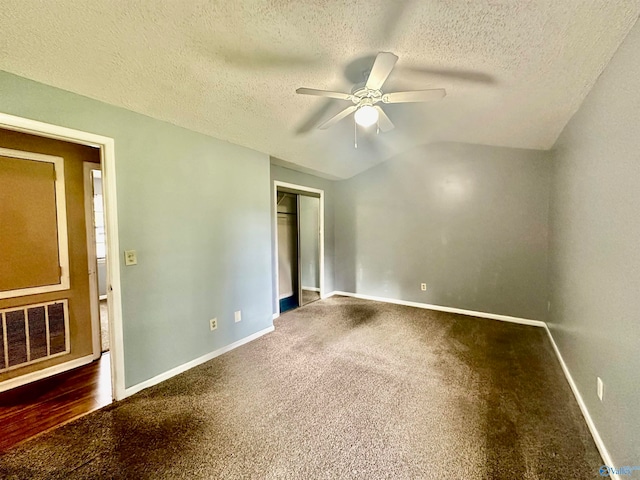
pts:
[355, 134]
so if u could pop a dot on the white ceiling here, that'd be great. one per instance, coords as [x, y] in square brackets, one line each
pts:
[515, 71]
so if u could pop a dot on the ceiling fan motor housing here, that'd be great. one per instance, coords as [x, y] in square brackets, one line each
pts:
[362, 95]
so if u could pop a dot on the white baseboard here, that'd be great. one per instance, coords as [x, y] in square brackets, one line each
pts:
[44, 373]
[492, 316]
[604, 453]
[276, 315]
[311, 289]
[330, 294]
[193, 363]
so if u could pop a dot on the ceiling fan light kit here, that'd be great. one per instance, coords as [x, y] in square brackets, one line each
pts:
[366, 115]
[365, 97]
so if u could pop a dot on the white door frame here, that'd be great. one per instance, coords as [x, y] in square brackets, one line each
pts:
[300, 189]
[89, 216]
[108, 167]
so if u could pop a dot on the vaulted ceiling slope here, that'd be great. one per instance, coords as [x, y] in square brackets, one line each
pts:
[514, 71]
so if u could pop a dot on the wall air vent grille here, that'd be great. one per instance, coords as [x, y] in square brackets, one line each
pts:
[33, 333]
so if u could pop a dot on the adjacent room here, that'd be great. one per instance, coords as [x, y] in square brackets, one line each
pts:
[257, 239]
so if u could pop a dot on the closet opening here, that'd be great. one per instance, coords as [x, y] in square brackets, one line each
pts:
[299, 245]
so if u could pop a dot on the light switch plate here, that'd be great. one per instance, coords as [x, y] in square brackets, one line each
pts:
[130, 257]
[237, 316]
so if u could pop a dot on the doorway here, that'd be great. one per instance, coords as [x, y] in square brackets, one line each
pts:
[299, 227]
[56, 371]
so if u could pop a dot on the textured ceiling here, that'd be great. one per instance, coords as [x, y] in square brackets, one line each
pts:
[515, 71]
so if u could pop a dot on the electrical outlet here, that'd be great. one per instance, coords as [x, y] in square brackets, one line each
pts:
[423, 287]
[237, 316]
[600, 389]
[548, 306]
[213, 324]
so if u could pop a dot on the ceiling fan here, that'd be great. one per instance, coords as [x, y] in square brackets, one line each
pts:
[366, 96]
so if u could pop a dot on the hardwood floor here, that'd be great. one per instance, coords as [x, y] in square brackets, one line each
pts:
[40, 406]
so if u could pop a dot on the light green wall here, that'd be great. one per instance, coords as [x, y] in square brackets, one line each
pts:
[469, 221]
[196, 209]
[595, 257]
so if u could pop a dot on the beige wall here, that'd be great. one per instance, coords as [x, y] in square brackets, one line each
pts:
[78, 295]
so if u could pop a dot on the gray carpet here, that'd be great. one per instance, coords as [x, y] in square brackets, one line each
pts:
[343, 388]
[309, 296]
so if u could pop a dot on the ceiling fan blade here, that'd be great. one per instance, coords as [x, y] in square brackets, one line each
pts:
[324, 93]
[336, 118]
[414, 96]
[385, 61]
[384, 122]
